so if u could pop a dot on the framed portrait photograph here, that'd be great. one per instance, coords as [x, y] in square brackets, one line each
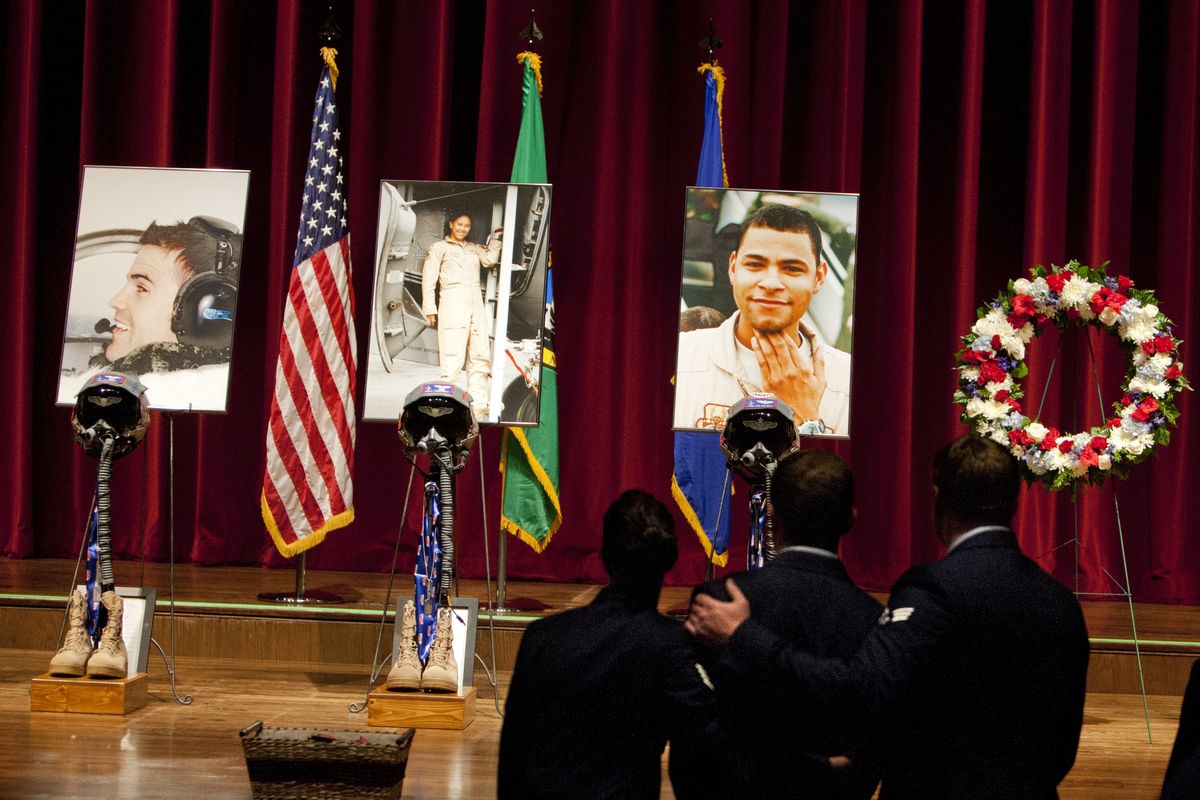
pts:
[767, 306]
[460, 296]
[154, 284]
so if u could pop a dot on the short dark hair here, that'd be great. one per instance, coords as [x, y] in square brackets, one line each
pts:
[198, 250]
[977, 481]
[639, 538]
[784, 218]
[812, 498]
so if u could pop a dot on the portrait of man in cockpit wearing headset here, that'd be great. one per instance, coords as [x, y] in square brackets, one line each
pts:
[168, 314]
[175, 309]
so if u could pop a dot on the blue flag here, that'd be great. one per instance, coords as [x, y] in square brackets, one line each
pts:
[699, 484]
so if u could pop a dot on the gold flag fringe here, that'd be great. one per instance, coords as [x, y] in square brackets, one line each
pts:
[329, 54]
[535, 64]
[719, 76]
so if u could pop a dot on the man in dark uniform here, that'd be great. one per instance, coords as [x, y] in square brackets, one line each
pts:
[597, 691]
[805, 597]
[976, 673]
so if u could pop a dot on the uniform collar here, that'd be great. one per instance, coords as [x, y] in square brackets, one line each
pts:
[803, 548]
[974, 532]
[811, 559]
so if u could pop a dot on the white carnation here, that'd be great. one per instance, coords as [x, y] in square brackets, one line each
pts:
[1161, 361]
[1149, 386]
[988, 409]
[1005, 385]
[1138, 330]
[1056, 460]
[1129, 441]
[992, 324]
[1077, 291]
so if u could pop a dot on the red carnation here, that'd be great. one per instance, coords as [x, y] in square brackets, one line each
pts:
[1099, 299]
[1124, 284]
[975, 357]
[991, 372]
[1148, 347]
[1089, 457]
[1002, 395]
[1048, 441]
[1115, 422]
[1173, 372]
[995, 341]
[1065, 447]
[1055, 280]
[1145, 409]
[1126, 400]
[1163, 343]
[1115, 301]
[1019, 438]
[1098, 443]
[1023, 304]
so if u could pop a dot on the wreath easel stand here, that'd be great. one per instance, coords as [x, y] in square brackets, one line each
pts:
[1124, 587]
[993, 359]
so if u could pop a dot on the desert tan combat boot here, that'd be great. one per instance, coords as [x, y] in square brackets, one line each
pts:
[110, 659]
[405, 675]
[441, 673]
[71, 659]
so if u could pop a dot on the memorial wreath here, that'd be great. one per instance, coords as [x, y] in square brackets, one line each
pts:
[993, 360]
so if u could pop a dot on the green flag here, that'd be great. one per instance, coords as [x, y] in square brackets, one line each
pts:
[529, 461]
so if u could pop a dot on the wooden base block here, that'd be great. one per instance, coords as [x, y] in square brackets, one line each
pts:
[421, 710]
[88, 695]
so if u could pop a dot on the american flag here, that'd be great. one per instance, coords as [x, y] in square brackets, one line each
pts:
[308, 489]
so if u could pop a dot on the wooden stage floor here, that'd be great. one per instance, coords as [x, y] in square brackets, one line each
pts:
[168, 750]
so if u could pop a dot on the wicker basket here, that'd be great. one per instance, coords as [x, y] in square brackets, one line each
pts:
[292, 763]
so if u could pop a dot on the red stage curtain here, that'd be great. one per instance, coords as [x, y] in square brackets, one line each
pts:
[982, 137]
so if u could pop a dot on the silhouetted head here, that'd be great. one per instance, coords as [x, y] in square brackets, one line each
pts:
[975, 482]
[639, 540]
[812, 499]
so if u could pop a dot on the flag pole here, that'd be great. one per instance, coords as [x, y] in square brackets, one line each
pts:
[328, 37]
[529, 34]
